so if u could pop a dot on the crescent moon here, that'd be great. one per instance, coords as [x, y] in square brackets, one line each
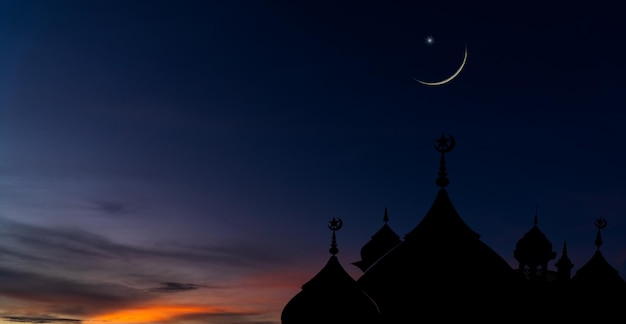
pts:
[438, 83]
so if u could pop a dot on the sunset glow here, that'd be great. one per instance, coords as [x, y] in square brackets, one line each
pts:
[150, 314]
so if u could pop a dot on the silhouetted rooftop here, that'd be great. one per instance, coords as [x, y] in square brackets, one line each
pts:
[381, 242]
[534, 248]
[598, 272]
[332, 296]
[441, 223]
[442, 272]
[440, 261]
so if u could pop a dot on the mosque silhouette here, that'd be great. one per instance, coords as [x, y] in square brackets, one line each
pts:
[441, 271]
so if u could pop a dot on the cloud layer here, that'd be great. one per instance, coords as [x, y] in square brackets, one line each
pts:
[72, 275]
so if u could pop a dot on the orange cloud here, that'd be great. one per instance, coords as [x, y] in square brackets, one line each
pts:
[157, 313]
[271, 291]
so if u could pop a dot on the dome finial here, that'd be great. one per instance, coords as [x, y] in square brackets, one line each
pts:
[444, 145]
[386, 217]
[334, 225]
[600, 224]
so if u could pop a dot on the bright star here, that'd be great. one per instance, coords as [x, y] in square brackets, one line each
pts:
[429, 40]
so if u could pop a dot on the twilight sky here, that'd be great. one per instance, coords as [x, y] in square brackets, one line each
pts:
[178, 161]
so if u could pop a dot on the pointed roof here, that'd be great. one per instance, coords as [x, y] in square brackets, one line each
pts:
[442, 261]
[597, 272]
[441, 222]
[380, 243]
[443, 241]
[332, 296]
[596, 290]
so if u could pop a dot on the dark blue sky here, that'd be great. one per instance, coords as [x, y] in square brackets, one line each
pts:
[214, 140]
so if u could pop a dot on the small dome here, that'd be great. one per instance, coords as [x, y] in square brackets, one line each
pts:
[381, 242]
[534, 248]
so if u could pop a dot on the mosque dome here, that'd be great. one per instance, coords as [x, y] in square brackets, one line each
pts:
[332, 296]
[441, 262]
[441, 270]
[381, 242]
[597, 273]
[597, 291]
[534, 249]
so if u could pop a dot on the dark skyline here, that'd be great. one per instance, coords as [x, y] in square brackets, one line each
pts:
[185, 157]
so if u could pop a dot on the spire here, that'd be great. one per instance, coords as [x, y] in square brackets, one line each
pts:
[386, 217]
[564, 265]
[600, 224]
[598, 241]
[444, 145]
[334, 225]
[536, 213]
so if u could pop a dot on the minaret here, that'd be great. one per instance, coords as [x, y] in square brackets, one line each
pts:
[564, 266]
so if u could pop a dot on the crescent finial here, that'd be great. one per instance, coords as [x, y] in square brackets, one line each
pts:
[444, 144]
[600, 223]
[335, 224]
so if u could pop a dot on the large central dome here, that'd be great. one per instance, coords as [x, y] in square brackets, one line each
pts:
[441, 262]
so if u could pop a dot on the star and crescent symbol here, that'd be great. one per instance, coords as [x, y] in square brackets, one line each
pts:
[335, 224]
[445, 144]
[600, 223]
